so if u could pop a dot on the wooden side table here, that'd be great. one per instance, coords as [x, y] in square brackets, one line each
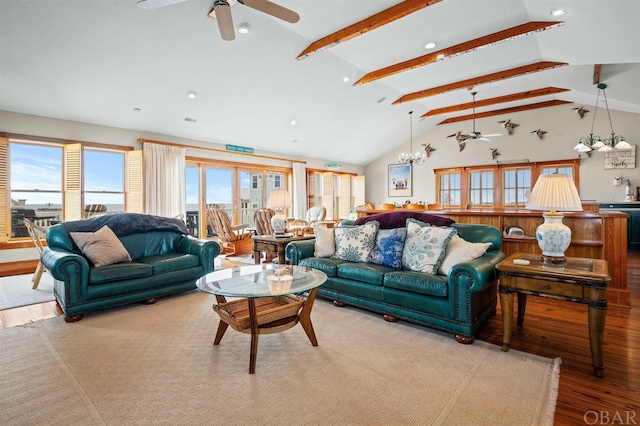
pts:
[579, 280]
[271, 244]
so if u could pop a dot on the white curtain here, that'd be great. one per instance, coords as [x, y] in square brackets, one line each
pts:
[165, 185]
[299, 191]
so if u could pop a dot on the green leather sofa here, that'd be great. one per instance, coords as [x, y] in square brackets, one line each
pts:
[165, 260]
[457, 303]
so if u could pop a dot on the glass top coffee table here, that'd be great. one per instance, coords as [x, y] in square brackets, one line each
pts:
[267, 300]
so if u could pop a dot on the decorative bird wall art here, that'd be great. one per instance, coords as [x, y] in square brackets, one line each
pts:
[581, 111]
[428, 149]
[507, 124]
[539, 133]
[461, 138]
[494, 153]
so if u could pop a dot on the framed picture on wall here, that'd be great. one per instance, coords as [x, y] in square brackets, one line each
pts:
[400, 184]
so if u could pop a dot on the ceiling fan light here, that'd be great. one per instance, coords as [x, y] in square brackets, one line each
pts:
[244, 28]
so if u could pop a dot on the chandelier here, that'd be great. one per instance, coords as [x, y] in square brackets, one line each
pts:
[592, 142]
[411, 158]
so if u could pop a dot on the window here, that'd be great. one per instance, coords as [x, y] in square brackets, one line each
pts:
[338, 193]
[450, 190]
[36, 185]
[104, 179]
[481, 188]
[517, 185]
[277, 181]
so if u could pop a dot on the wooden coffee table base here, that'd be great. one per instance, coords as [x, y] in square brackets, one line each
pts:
[276, 326]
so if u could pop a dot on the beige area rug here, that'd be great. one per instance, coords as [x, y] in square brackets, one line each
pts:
[156, 364]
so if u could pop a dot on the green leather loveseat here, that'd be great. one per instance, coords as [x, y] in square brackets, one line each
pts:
[164, 260]
[457, 303]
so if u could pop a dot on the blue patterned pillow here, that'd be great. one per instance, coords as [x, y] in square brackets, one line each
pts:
[354, 243]
[388, 248]
[425, 246]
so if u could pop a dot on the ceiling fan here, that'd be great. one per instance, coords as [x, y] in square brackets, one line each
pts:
[478, 135]
[222, 12]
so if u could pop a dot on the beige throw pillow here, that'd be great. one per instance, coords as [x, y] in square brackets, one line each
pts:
[101, 247]
[459, 250]
[325, 241]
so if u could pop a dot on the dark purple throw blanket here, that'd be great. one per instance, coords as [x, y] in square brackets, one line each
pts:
[393, 220]
[127, 223]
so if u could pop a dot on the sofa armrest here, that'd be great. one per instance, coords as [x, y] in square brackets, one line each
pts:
[69, 268]
[479, 272]
[298, 250]
[206, 250]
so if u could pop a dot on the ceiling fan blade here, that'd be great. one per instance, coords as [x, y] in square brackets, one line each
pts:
[156, 4]
[224, 18]
[484, 138]
[493, 135]
[272, 9]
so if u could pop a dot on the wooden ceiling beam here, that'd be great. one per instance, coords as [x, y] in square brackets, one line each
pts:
[596, 73]
[371, 23]
[493, 101]
[520, 108]
[489, 78]
[459, 49]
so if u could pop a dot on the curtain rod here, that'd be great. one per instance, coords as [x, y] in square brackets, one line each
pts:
[143, 140]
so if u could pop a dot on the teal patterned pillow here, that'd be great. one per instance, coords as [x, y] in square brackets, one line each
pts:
[354, 243]
[389, 247]
[425, 246]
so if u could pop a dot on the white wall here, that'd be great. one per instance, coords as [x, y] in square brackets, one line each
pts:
[564, 128]
[48, 127]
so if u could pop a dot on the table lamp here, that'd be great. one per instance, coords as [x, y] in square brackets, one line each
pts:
[278, 201]
[550, 193]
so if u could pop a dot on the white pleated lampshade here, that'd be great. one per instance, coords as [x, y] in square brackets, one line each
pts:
[554, 192]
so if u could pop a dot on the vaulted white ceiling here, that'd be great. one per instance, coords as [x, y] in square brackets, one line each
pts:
[94, 61]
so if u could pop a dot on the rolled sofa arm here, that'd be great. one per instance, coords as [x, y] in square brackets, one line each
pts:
[71, 269]
[206, 250]
[479, 272]
[298, 250]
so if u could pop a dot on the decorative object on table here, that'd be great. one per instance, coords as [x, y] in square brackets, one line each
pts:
[592, 142]
[279, 200]
[581, 111]
[539, 133]
[628, 194]
[428, 149]
[554, 192]
[400, 180]
[221, 12]
[411, 157]
[494, 153]
[507, 124]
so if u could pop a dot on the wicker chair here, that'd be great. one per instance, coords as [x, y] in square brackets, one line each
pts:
[234, 240]
[314, 214]
[262, 218]
[36, 232]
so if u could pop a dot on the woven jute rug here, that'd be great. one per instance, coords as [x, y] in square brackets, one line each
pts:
[155, 364]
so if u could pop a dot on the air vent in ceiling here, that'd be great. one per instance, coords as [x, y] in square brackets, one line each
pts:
[190, 120]
[381, 100]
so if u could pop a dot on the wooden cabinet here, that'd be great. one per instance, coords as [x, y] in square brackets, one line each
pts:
[596, 235]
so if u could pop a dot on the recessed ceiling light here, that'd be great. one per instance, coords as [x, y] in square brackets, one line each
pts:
[558, 12]
[293, 122]
[191, 95]
[244, 28]
[346, 78]
[430, 45]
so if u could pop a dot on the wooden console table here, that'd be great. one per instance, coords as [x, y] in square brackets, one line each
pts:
[579, 280]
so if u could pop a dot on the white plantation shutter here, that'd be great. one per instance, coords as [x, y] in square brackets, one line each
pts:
[134, 201]
[72, 182]
[327, 194]
[4, 189]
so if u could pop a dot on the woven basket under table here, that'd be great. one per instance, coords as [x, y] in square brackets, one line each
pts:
[268, 309]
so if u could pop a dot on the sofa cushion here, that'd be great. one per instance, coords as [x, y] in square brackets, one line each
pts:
[389, 247]
[325, 264]
[424, 248]
[364, 272]
[417, 282]
[459, 250]
[119, 272]
[399, 219]
[354, 243]
[101, 247]
[170, 262]
[325, 245]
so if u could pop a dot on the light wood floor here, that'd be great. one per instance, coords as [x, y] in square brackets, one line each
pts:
[551, 329]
